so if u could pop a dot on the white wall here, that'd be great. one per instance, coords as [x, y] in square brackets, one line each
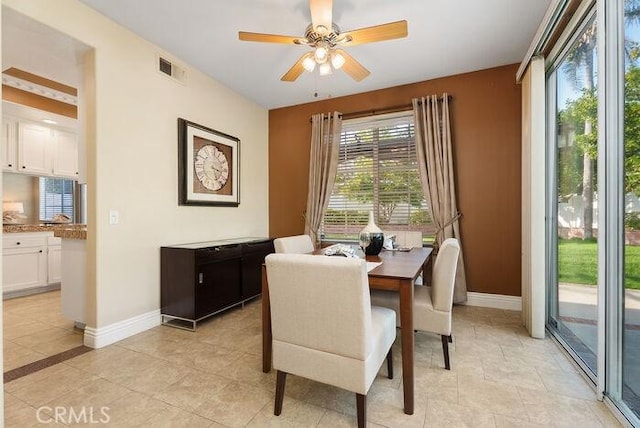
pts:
[132, 160]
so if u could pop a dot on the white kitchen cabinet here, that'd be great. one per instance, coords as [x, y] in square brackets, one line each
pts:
[39, 150]
[54, 260]
[34, 149]
[9, 144]
[24, 261]
[65, 156]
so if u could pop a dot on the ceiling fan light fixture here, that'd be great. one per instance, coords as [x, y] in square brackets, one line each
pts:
[337, 60]
[325, 69]
[321, 54]
[309, 63]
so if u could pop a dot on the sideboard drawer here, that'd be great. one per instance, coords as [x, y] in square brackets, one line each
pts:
[219, 253]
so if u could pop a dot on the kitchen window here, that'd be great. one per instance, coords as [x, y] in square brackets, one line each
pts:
[56, 197]
[377, 170]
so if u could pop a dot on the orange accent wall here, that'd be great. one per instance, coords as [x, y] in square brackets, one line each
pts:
[486, 132]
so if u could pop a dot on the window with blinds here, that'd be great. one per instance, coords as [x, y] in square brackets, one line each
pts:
[377, 171]
[56, 197]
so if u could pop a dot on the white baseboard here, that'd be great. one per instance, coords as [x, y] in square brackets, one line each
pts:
[103, 336]
[497, 301]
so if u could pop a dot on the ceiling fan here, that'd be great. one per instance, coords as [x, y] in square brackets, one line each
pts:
[326, 39]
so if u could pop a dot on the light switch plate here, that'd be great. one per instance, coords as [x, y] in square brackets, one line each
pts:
[113, 217]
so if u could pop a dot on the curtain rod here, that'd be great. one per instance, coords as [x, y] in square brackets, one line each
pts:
[373, 112]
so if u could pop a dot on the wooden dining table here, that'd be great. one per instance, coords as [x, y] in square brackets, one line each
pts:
[398, 271]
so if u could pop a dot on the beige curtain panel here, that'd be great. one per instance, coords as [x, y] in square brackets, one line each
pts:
[323, 164]
[437, 174]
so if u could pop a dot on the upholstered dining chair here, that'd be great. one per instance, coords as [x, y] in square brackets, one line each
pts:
[405, 238]
[298, 244]
[431, 305]
[324, 327]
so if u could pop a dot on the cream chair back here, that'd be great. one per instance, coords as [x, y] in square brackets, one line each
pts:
[321, 303]
[444, 275]
[298, 244]
[405, 238]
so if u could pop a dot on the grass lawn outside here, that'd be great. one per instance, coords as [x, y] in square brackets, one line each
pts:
[578, 262]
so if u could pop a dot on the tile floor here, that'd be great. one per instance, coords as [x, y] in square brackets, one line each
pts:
[34, 328]
[166, 377]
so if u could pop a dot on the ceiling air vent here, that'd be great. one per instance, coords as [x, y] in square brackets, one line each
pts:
[171, 69]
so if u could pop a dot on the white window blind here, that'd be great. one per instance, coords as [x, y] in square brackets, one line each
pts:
[56, 197]
[377, 171]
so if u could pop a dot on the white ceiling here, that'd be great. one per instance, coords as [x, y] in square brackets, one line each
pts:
[446, 37]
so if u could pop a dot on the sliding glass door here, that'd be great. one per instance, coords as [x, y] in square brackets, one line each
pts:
[593, 190]
[572, 101]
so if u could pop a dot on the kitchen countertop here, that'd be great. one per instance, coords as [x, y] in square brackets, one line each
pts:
[69, 231]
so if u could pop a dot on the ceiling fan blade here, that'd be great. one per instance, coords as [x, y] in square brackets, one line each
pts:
[321, 12]
[295, 71]
[377, 33]
[268, 38]
[352, 67]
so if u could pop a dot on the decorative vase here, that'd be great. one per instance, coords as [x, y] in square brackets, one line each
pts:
[371, 238]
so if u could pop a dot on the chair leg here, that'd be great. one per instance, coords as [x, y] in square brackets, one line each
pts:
[445, 350]
[450, 338]
[361, 405]
[390, 364]
[281, 378]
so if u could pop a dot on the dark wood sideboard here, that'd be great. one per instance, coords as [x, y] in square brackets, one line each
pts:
[200, 279]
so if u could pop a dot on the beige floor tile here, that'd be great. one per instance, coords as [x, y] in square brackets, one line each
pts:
[385, 406]
[447, 414]
[19, 414]
[95, 393]
[604, 415]
[173, 417]
[507, 422]
[166, 377]
[558, 410]
[333, 419]
[192, 390]
[485, 395]
[43, 336]
[498, 335]
[17, 356]
[464, 364]
[436, 384]
[567, 383]
[332, 398]
[61, 344]
[131, 410]
[26, 329]
[542, 358]
[206, 357]
[49, 385]
[512, 373]
[112, 362]
[156, 377]
[246, 368]
[294, 414]
[235, 404]
[156, 342]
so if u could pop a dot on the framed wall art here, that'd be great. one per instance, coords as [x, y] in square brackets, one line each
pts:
[208, 166]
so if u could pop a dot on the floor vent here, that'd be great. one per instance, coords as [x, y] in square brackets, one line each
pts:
[169, 68]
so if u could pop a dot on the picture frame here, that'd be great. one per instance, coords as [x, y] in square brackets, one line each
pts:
[208, 166]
